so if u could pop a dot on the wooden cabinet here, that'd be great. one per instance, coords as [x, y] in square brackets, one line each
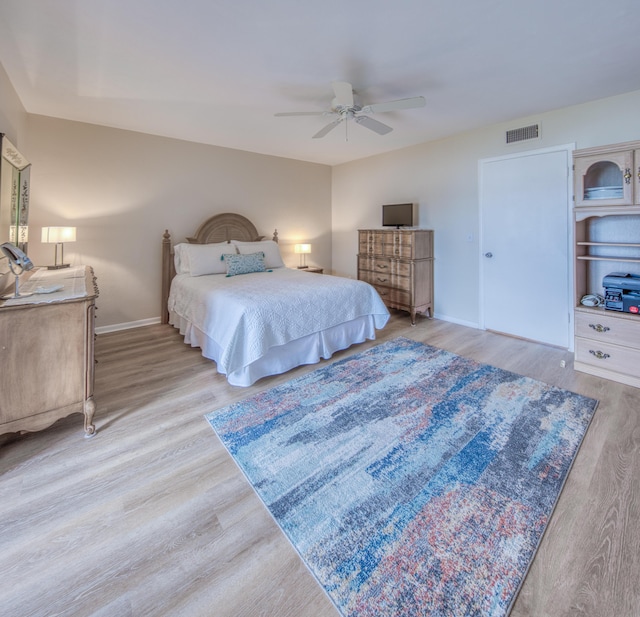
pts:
[605, 176]
[399, 264]
[607, 240]
[47, 357]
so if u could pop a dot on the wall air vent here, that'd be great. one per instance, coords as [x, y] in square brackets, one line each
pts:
[523, 133]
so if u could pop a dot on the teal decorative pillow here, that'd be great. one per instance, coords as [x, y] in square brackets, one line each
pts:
[244, 264]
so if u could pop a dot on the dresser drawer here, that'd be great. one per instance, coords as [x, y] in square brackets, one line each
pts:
[384, 265]
[608, 328]
[386, 279]
[374, 264]
[392, 297]
[398, 244]
[375, 278]
[608, 356]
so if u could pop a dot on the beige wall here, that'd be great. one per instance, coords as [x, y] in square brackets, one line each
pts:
[442, 177]
[13, 117]
[13, 122]
[122, 189]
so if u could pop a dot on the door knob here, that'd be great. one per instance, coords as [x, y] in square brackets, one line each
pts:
[488, 255]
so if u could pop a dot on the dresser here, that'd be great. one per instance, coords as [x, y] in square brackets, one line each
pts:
[399, 264]
[47, 351]
[607, 241]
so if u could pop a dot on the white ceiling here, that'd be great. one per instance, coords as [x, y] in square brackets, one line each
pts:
[216, 71]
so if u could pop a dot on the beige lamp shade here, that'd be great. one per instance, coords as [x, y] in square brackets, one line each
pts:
[58, 236]
[303, 250]
[53, 235]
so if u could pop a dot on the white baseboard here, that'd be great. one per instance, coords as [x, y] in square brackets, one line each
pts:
[128, 325]
[460, 322]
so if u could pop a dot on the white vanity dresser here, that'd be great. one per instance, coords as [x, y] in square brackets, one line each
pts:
[47, 350]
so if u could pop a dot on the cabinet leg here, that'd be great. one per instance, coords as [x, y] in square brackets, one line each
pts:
[89, 410]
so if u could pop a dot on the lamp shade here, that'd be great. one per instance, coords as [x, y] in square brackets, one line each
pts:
[302, 248]
[58, 234]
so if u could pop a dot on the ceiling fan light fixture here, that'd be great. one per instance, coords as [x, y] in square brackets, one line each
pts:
[344, 106]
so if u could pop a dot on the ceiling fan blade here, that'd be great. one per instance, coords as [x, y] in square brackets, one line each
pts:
[301, 113]
[332, 125]
[373, 125]
[412, 103]
[344, 93]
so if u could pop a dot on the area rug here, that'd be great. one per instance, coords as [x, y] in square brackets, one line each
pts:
[411, 481]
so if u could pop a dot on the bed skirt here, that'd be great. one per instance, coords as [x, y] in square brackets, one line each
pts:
[306, 350]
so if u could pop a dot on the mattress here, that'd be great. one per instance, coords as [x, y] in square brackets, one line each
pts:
[266, 323]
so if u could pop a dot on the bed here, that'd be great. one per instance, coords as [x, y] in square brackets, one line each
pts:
[229, 293]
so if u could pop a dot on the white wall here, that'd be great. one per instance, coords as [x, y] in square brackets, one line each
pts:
[442, 177]
[122, 189]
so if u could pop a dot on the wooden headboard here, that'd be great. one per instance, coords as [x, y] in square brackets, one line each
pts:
[219, 228]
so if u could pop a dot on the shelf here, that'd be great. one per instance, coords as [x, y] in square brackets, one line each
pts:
[598, 258]
[631, 244]
[584, 212]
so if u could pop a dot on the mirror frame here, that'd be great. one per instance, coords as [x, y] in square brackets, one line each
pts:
[15, 172]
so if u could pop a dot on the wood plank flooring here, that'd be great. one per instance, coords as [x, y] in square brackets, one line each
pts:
[151, 517]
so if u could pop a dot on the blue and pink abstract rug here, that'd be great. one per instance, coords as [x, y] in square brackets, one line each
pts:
[411, 481]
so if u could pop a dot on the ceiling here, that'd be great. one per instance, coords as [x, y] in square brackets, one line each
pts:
[216, 71]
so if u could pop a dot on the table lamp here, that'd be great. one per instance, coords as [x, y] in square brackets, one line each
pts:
[303, 250]
[58, 236]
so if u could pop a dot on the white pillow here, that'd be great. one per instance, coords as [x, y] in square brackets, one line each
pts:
[271, 250]
[201, 259]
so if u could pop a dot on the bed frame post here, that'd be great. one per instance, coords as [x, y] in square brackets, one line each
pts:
[167, 275]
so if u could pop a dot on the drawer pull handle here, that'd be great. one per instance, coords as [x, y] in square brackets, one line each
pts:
[382, 266]
[599, 327]
[381, 280]
[599, 354]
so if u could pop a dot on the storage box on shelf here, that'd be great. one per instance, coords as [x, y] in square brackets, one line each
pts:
[399, 264]
[607, 238]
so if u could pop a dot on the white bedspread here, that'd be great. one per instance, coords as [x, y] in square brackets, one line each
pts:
[247, 315]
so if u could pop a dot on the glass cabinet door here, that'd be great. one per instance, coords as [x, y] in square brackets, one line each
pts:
[605, 179]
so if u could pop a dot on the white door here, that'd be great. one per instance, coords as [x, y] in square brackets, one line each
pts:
[524, 212]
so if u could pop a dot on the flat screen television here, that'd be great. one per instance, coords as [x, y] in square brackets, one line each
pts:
[397, 215]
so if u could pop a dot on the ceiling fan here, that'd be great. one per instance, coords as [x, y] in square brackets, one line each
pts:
[344, 107]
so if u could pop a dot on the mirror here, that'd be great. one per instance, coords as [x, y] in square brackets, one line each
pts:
[14, 195]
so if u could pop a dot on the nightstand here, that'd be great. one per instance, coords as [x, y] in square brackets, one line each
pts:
[312, 269]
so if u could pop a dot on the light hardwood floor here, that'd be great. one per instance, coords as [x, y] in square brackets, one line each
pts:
[151, 517]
